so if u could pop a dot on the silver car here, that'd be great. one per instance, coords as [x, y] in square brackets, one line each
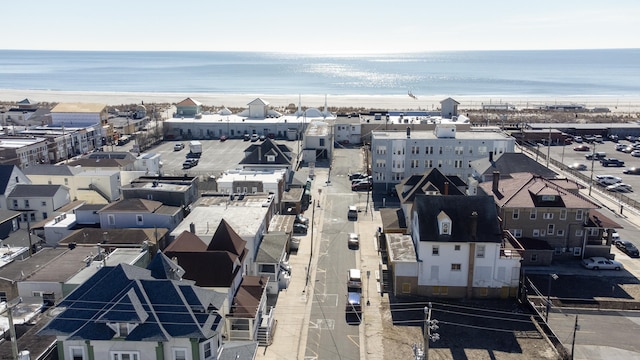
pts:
[601, 263]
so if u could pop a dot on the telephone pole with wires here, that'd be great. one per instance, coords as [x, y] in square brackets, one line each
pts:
[430, 325]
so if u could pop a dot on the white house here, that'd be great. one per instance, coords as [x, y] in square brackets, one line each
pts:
[318, 141]
[139, 213]
[460, 251]
[246, 181]
[10, 176]
[348, 130]
[37, 202]
[397, 155]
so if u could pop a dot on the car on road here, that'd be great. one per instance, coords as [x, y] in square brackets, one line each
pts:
[601, 263]
[354, 240]
[189, 163]
[354, 305]
[578, 167]
[354, 279]
[582, 148]
[631, 171]
[300, 229]
[178, 147]
[627, 247]
[606, 180]
[352, 213]
[619, 187]
[301, 220]
[365, 185]
[606, 162]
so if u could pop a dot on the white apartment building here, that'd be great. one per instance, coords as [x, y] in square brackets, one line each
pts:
[396, 155]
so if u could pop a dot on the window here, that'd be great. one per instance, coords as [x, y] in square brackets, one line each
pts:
[440, 150]
[428, 163]
[459, 150]
[456, 267]
[534, 214]
[484, 292]
[45, 215]
[435, 250]
[44, 203]
[125, 355]
[111, 219]
[428, 150]
[563, 214]
[77, 353]
[406, 288]
[15, 203]
[179, 354]
[321, 142]
[139, 220]
[579, 232]
[66, 181]
[550, 229]
[26, 203]
[207, 349]
[560, 232]
[381, 163]
[547, 216]
[439, 163]
[536, 232]
[3, 296]
[457, 164]
[381, 150]
[123, 330]
[32, 216]
[456, 247]
[516, 232]
[516, 214]
[415, 150]
[534, 258]
[480, 251]
[579, 214]
[415, 163]
[272, 158]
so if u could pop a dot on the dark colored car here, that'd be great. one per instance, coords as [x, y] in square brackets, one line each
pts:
[632, 171]
[246, 137]
[300, 229]
[627, 247]
[223, 138]
[581, 148]
[611, 162]
[365, 185]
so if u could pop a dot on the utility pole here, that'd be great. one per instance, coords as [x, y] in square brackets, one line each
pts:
[12, 329]
[429, 325]
[593, 158]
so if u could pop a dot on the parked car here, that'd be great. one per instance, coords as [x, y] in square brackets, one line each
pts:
[631, 171]
[301, 220]
[300, 229]
[635, 153]
[596, 155]
[178, 147]
[620, 147]
[365, 185]
[578, 166]
[606, 162]
[613, 138]
[189, 163]
[578, 139]
[223, 138]
[354, 240]
[357, 175]
[254, 137]
[263, 138]
[606, 180]
[352, 213]
[619, 187]
[601, 263]
[353, 308]
[368, 179]
[627, 247]
[246, 137]
[354, 279]
[582, 148]
[628, 149]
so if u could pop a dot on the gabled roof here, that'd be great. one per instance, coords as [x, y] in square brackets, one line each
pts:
[460, 209]
[449, 99]
[525, 190]
[27, 101]
[160, 309]
[431, 181]
[189, 102]
[6, 171]
[509, 163]
[258, 154]
[36, 190]
[186, 242]
[132, 205]
[48, 169]
[162, 267]
[226, 239]
[259, 101]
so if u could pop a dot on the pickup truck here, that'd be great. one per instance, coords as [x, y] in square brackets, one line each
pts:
[611, 162]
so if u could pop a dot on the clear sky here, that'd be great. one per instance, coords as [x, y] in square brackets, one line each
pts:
[326, 26]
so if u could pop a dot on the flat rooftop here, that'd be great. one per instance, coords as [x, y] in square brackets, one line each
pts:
[246, 221]
[431, 135]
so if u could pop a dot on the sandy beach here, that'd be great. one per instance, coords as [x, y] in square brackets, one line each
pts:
[629, 104]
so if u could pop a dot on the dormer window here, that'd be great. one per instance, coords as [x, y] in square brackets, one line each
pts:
[122, 329]
[271, 158]
[444, 223]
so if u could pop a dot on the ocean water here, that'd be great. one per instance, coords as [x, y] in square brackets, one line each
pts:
[472, 73]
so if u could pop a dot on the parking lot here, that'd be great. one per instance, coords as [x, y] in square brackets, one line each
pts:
[568, 156]
[217, 156]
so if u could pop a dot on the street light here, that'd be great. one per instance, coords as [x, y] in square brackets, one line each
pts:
[551, 277]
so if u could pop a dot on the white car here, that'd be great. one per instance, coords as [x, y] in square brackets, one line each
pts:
[635, 153]
[605, 180]
[354, 240]
[578, 166]
[619, 187]
[601, 263]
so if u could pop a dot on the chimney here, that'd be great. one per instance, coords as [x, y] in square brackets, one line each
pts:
[474, 225]
[496, 181]
[408, 132]
[446, 188]
[192, 228]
